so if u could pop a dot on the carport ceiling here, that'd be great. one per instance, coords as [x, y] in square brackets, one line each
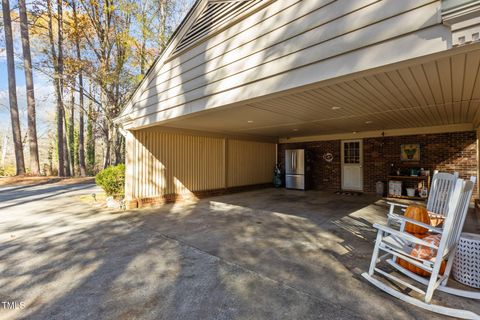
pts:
[442, 91]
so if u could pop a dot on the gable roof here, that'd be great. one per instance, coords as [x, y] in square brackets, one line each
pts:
[214, 16]
[206, 17]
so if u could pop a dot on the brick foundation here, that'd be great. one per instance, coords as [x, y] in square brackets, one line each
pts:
[175, 198]
[444, 152]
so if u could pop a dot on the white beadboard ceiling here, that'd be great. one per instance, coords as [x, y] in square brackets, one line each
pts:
[443, 91]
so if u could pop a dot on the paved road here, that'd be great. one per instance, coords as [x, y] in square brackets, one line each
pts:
[260, 255]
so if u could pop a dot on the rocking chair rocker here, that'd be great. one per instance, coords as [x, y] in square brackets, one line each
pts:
[397, 244]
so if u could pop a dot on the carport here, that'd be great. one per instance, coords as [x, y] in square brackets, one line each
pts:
[219, 108]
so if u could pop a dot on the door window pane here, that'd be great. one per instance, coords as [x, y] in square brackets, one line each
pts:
[351, 152]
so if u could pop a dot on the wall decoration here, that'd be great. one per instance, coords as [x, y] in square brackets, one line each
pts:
[410, 152]
[328, 157]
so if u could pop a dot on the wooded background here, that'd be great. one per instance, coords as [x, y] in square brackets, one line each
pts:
[92, 53]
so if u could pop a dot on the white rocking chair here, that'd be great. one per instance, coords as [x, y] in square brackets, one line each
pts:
[398, 244]
[441, 189]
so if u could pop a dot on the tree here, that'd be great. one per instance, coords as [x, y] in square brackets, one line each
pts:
[71, 131]
[57, 61]
[66, 154]
[96, 50]
[91, 120]
[81, 121]
[12, 87]
[27, 62]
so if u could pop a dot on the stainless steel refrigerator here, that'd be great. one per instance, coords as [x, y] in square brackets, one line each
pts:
[295, 169]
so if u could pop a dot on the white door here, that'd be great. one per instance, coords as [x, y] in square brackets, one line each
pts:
[352, 165]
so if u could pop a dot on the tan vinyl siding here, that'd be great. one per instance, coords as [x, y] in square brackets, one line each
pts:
[166, 163]
[160, 163]
[284, 36]
[250, 162]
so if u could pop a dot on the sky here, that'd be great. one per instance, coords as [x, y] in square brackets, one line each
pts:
[44, 95]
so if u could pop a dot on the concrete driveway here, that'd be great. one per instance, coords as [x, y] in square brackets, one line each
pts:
[267, 254]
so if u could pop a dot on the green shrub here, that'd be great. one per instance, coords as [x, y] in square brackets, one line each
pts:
[7, 171]
[112, 180]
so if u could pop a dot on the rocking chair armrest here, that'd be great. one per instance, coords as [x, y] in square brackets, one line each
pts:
[394, 204]
[418, 223]
[404, 235]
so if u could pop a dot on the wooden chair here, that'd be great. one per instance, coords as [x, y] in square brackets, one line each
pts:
[398, 244]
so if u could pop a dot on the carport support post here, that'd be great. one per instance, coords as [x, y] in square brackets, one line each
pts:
[129, 163]
[478, 162]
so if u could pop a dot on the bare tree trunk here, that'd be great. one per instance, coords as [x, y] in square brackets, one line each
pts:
[81, 130]
[66, 160]
[49, 169]
[91, 139]
[107, 137]
[12, 87]
[66, 149]
[71, 132]
[119, 148]
[81, 122]
[27, 62]
[58, 93]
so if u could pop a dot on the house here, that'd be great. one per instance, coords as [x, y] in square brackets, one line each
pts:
[242, 81]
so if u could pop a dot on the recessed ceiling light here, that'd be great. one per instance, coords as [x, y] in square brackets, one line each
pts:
[336, 108]
[250, 121]
[368, 122]
[295, 129]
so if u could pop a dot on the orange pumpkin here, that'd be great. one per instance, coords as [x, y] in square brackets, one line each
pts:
[417, 213]
[425, 253]
[421, 235]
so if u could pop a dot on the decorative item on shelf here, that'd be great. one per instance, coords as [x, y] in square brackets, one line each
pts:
[410, 152]
[423, 193]
[414, 172]
[392, 169]
[411, 192]
[395, 188]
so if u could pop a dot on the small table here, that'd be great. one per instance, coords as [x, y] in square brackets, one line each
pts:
[466, 265]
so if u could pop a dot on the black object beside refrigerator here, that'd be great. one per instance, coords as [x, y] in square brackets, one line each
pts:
[296, 169]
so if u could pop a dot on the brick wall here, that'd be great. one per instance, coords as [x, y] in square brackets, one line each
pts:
[445, 152]
[324, 175]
